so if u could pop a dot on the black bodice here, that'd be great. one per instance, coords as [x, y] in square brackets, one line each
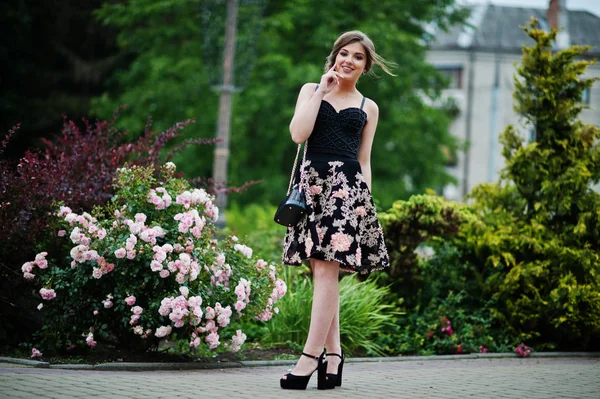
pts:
[337, 133]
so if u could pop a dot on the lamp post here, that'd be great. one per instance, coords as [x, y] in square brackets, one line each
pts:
[241, 23]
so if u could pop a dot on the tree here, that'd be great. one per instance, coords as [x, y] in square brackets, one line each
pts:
[168, 80]
[538, 246]
[58, 57]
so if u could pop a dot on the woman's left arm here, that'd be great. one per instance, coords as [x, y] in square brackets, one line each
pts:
[366, 141]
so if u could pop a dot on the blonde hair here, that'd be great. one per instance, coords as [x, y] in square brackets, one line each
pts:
[356, 36]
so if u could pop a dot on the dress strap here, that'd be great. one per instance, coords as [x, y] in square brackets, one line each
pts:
[362, 103]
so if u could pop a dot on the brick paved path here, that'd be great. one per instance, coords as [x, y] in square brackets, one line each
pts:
[482, 378]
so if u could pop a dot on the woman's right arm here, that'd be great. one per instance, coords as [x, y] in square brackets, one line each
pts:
[305, 115]
[308, 104]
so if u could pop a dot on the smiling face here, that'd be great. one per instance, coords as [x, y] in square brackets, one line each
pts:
[351, 60]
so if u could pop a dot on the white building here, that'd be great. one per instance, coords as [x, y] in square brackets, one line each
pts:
[480, 61]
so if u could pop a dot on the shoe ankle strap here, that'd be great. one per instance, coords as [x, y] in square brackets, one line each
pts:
[311, 356]
[334, 354]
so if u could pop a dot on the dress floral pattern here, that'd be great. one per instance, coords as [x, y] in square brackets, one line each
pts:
[341, 222]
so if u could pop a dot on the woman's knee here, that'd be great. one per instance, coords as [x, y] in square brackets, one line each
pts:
[323, 269]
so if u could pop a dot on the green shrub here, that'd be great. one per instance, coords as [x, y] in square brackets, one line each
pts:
[523, 259]
[409, 225]
[538, 246]
[449, 326]
[451, 290]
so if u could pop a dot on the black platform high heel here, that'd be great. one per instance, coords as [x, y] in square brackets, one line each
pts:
[335, 380]
[292, 381]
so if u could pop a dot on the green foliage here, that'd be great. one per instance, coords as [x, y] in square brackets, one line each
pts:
[363, 313]
[537, 245]
[448, 325]
[448, 289]
[169, 78]
[410, 224]
[253, 223]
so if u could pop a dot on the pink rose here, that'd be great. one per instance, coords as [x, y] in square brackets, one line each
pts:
[47, 294]
[184, 291]
[130, 300]
[163, 331]
[156, 266]
[64, 210]
[164, 273]
[239, 306]
[29, 276]
[137, 310]
[213, 340]
[35, 353]
[61, 233]
[120, 253]
[90, 340]
[27, 267]
[96, 273]
[260, 265]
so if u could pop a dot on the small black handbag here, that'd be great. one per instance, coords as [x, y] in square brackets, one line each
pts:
[293, 207]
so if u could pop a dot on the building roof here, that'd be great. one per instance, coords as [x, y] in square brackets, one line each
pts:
[496, 28]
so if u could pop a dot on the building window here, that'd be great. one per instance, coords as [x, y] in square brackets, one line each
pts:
[585, 96]
[454, 73]
[531, 132]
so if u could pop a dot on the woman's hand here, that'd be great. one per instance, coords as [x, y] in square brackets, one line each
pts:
[329, 80]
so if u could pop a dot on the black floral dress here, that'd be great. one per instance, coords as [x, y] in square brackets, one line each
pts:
[341, 222]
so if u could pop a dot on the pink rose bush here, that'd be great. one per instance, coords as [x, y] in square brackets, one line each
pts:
[147, 266]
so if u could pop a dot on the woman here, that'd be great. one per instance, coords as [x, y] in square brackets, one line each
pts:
[341, 230]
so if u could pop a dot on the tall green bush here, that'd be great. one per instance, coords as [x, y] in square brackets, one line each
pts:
[538, 246]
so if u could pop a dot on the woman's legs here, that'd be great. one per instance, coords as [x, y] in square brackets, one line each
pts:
[332, 343]
[324, 308]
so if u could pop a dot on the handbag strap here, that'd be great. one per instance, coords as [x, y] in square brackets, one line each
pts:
[294, 167]
[303, 159]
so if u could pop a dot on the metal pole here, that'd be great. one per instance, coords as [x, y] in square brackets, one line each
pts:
[468, 122]
[494, 120]
[224, 123]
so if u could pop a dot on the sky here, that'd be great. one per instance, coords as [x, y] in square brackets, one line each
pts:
[592, 6]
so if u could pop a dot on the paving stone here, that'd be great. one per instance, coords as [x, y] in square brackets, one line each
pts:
[465, 378]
